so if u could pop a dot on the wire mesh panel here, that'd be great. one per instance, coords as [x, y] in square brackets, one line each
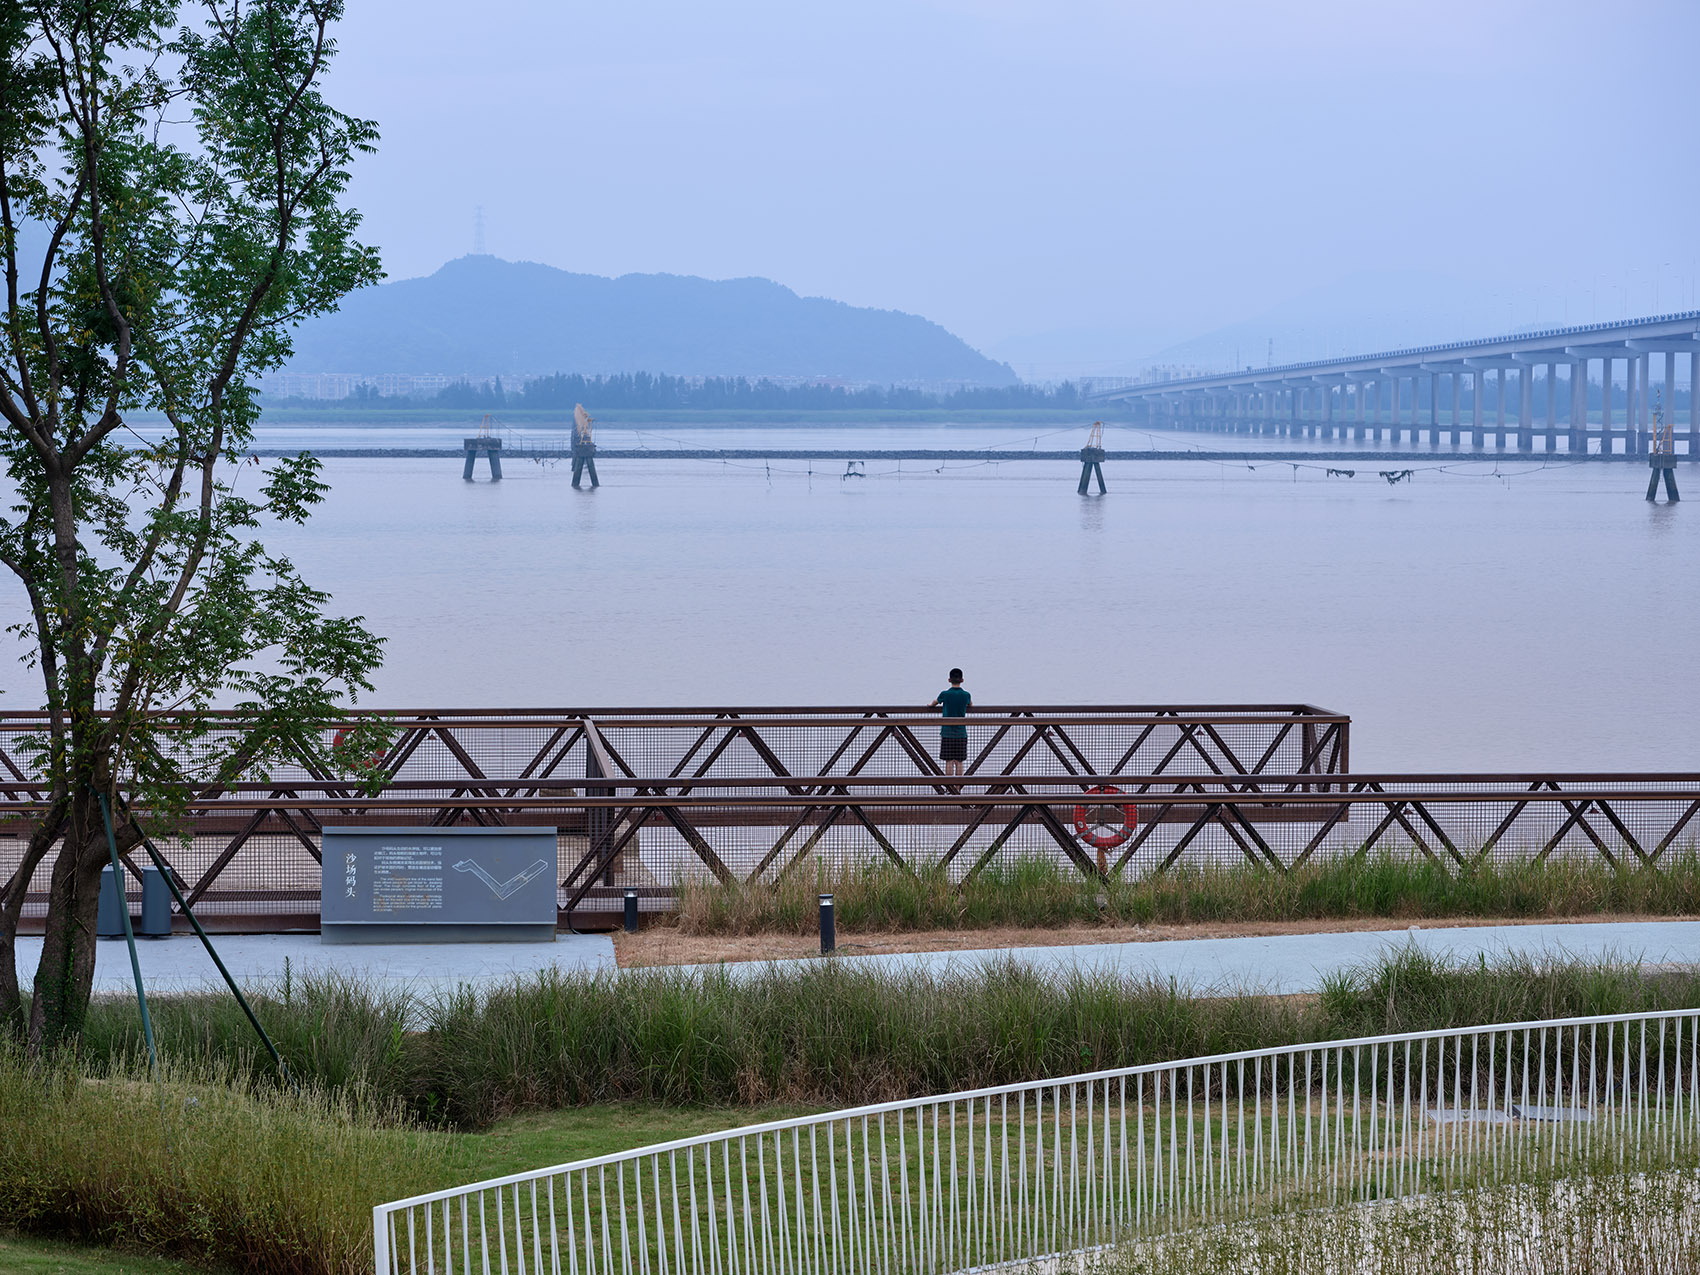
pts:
[972, 1180]
[656, 799]
[248, 852]
[254, 855]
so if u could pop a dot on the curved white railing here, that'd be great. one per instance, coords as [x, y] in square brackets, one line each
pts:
[1019, 1172]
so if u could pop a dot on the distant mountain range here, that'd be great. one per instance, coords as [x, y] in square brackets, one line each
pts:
[482, 316]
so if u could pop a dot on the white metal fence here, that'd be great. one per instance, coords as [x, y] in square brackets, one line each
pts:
[996, 1176]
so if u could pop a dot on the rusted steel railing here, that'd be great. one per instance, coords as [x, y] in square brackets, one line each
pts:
[649, 799]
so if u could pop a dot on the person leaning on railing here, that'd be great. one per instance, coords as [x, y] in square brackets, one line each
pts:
[953, 740]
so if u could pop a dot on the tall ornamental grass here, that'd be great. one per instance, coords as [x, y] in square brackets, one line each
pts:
[1043, 893]
[830, 1033]
[204, 1165]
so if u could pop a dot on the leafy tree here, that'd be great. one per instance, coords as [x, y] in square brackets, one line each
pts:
[170, 205]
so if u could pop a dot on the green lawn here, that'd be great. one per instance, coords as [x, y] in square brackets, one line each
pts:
[532, 1141]
[539, 1139]
[48, 1257]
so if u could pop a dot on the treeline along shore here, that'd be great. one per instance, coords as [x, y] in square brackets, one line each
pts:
[645, 396]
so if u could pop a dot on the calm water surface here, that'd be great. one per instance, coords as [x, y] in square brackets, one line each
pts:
[1479, 615]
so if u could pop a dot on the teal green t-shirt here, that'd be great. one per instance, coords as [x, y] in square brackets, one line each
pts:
[954, 703]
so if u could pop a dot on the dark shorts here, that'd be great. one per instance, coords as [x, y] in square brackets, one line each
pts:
[953, 750]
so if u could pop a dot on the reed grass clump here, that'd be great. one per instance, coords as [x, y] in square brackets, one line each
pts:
[830, 1033]
[334, 1031]
[1044, 893]
[203, 1164]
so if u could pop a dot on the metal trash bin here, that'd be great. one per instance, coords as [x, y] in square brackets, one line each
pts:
[156, 905]
[109, 921]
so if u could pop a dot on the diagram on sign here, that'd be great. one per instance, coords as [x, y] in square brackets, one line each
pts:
[513, 885]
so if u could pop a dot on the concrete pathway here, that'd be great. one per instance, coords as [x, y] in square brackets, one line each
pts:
[180, 963]
[1281, 964]
[1292, 963]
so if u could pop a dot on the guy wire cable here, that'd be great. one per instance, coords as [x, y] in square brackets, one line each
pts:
[206, 941]
[129, 935]
[135, 966]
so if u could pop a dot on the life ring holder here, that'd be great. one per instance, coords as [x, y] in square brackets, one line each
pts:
[375, 762]
[1088, 830]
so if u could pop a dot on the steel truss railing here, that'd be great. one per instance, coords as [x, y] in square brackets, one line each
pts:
[995, 1176]
[755, 829]
[457, 746]
[254, 842]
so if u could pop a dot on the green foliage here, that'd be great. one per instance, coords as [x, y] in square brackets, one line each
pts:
[171, 195]
[53, 1257]
[1044, 894]
[181, 255]
[737, 393]
[203, 1165]
[826, 1034]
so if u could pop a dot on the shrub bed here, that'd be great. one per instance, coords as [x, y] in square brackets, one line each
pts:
[826, 1033]
[1045, 894]
[203, 1164]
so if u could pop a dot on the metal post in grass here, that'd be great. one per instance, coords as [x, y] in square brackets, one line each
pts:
[631, 911]
[129, 935]
[165, 870]
[828, 926]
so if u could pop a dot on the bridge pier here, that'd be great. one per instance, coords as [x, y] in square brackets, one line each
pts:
[1525, 409]
[1434, 410]
[1477, 393]
[1631, 405]
[1694, 406]
[1670, 393]
[1578, 408]
[1641, 397]
[1608, 393]
[1499, 404]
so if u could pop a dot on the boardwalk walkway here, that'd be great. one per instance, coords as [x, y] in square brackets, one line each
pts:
[1278, 964]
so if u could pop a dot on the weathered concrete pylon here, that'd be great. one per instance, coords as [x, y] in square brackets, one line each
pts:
[486, 445]
[584, 450]
[1092, 459]
[1662, 458]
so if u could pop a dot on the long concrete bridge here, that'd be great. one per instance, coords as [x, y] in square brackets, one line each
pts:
[1586, 390]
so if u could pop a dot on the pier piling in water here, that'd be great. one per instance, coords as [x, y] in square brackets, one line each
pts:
[488, 447]
[584, 447]
[1661, 457]
[1092, 460]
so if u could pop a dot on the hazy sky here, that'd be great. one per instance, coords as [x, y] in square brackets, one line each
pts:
[1058, 181]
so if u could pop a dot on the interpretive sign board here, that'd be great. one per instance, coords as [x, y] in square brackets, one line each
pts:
[437, 885]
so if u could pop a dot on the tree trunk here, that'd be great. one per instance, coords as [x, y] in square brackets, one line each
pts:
[13, 1019]
[65, 978]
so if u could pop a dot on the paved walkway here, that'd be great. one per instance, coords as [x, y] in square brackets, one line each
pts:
[1292, 963]
[180, 963]
[1281, 965]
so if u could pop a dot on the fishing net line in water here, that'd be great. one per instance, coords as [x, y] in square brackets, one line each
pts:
[851, 472]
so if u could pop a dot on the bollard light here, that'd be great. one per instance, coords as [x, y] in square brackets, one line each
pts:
[828, 928]
[631, 911]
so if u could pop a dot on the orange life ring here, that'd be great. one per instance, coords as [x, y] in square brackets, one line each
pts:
[1097, 833]
[373, 763]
